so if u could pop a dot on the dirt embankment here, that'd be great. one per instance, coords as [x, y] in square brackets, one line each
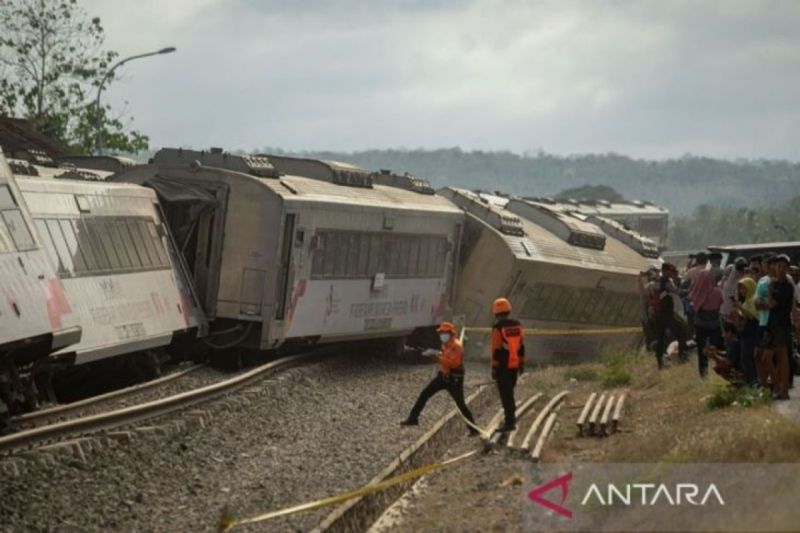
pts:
[666, 418]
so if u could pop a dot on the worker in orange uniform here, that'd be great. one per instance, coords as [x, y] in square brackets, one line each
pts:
[450, 377]
[507, 358]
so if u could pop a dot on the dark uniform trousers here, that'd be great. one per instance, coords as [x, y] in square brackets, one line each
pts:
[454, 384]
[506, 381]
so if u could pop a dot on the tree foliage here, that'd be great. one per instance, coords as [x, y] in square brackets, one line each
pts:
[53, 61]
[736, 225]
[591, 192]
[680, 184]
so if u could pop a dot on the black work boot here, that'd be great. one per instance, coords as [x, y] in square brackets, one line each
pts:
[505, 428]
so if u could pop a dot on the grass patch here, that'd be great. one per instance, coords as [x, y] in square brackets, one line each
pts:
[726, 395]
[672, 415]
[581, 373]
[618, 368]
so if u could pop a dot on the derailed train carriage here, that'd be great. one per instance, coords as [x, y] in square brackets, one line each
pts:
[36, 318]
[112, 271]
[292, 252]
[560, 272]
[113, 257]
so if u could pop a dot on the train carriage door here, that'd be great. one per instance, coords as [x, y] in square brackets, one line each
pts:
[195, 213]
[284, 277]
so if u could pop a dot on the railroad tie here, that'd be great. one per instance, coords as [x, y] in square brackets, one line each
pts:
[606, 414]
[617, 413]
[596, 413]
[585, 413]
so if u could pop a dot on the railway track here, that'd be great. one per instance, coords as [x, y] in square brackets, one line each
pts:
[58, 412]
[110, 420]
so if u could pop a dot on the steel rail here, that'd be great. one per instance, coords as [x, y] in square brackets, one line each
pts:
[137, 413]
[67, 408]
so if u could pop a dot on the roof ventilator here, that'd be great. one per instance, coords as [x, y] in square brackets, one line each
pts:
[644, 246]
[254, 165]
[569, 228]
[407, 181]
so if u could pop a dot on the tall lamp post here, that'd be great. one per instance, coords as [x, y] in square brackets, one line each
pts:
[109, 74]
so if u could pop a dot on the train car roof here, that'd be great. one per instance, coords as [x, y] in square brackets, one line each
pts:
[322, 181]
[69, 186]
[22, 167]
[537, 243]
[298, 188]
[603, 207]
[759, 246]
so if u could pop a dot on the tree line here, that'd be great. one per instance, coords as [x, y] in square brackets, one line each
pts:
[52, 61]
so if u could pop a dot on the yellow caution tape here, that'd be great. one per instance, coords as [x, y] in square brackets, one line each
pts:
[227, 523]
[567, 332]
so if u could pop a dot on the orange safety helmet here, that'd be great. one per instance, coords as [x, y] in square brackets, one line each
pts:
[446, 327]
[500, 306]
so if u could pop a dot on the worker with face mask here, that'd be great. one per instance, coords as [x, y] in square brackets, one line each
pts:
[450, 377]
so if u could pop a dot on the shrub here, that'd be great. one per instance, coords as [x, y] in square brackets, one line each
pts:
[727, 395]
[617, 369]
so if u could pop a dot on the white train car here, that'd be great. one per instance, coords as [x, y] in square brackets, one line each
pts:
[307, 251]
[36, 317]
[112, 257]
[560, 273]
[643, 217]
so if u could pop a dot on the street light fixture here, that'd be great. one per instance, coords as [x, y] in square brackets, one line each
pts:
[109, 74]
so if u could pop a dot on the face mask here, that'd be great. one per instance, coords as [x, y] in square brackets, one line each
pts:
[444, 337]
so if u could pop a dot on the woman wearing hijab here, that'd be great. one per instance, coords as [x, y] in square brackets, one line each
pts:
[745, 308]
[706, 300]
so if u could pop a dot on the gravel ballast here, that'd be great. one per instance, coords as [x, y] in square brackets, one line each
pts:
[317, 430]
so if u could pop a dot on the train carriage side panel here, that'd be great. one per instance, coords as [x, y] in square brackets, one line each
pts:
[553, 284]
[354, 278]
[35, 315]
[113, 262]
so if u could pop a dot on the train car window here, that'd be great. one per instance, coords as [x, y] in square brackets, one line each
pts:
[6, 244]
[119, 245]
[376, 256]
[353, 248]
[96, 243]
[158, 243]
[392, 253]
[61, 246]
[318, 254]
[6, 198]
[138, 243]
[128, 243]
[149, 242]
[329, 252]
[565, 300]
[44, 234]
[339, 249]
[299, 238]
[72, 246]
[18, 229]
[413, 256]
[103, 231]
[441, 256]
[85, 246]
[363, 255]
[405, 256]
[422, 256]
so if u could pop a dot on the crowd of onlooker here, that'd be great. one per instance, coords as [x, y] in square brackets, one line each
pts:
[744, 317]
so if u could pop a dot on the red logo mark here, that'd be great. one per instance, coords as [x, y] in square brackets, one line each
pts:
[536, 495]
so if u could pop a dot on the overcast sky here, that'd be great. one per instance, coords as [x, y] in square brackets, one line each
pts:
[648, 79]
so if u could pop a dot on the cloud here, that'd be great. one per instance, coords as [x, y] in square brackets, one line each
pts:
[653, 79]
